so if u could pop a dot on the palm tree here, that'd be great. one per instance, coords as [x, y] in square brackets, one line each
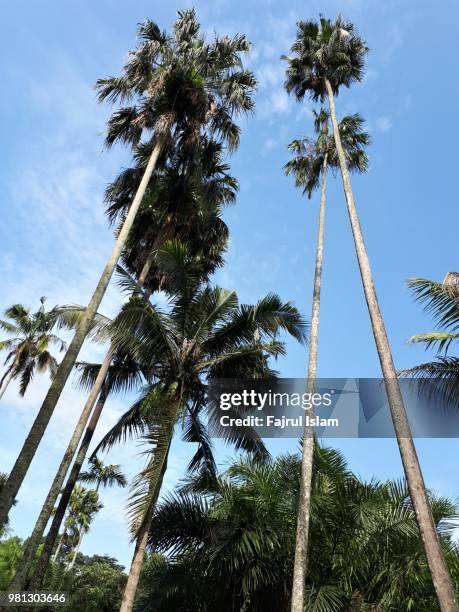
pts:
[231, 546]
[180, 87]
[103, 475]
[309, 167]
[100, 475]
[123, 375]
[205, 334]
[187, 192]
[441, 301]
[28, 348]
[327, 56]
[83, 506]
[191, 196]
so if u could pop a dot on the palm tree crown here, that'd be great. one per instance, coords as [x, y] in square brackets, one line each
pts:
[178, 83]
[204, 334]
[307, 165]
[324, 50]
[184, 201]
[103, 475]
[28, 349]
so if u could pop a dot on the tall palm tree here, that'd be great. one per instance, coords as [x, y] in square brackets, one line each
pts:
[103, 475]
[440, 377]
[190, 195]
[205, 334]
[83, 506]
[28, 347]
[327, 56]
[309, 167]
[100, 475]
[179, 86]
[123, 375]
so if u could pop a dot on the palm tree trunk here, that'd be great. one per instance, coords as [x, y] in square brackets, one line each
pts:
[20, 578]
[47, 509]
[59, 546]
[17, 475]
[304, 502]
[77, 549]
[42, 563]
[157, 244]
[438, 569]
[7, 378]
[34, 541]
[127, 603]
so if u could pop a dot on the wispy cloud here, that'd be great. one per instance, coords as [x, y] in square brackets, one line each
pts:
[383, 123]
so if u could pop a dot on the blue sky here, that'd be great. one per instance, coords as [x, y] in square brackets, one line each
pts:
[53, 170]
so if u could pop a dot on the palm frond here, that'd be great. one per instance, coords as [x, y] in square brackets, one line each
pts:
[441, 340]
[438, 379]
[436, 301]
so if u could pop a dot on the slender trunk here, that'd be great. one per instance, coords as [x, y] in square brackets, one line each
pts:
[77, 549]
[157, 244]
[304, 502]
[34, 541]
[42, 563]
[16, 477]
[20, 578]
[80, 538]
[7, 378]
[127, 603]
[437, 565]
[59, 546]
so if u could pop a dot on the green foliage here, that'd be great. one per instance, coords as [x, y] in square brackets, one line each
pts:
[307, 164]
[231, 547]
[444, 309]
[324, 50]
[179, 86]
[184, 201]
[95, 584]
[166, 580]
[438, 379]
[10, 555]
[30, 337]
[203, 334]
[103, 475]
[83, 506]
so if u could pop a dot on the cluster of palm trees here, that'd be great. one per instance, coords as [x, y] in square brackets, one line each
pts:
[230, 546]
[84, 504]
[177, 101]
[327, 56]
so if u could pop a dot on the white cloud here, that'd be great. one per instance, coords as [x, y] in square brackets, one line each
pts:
[407, 102]
[383, 123]
[58, 244]
[394, 42]
[276, 103]
[269, 145]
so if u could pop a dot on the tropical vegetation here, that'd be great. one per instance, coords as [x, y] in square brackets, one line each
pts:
[30, 338]
[229, 544]
[440, 377]
[326, 57]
